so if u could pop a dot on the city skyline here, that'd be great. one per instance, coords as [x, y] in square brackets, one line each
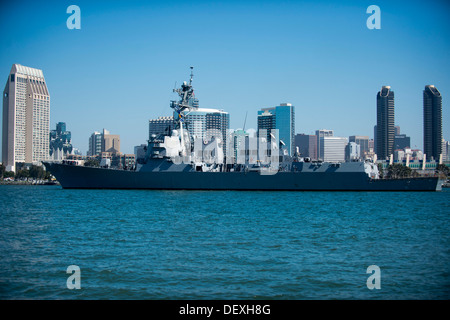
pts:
[281, 117]
[252, 56]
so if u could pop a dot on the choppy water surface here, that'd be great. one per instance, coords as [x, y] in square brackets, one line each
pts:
[222, 245]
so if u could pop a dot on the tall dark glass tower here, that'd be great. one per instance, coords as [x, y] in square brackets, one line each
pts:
[281, 117]
[385, 123]
[432, 122]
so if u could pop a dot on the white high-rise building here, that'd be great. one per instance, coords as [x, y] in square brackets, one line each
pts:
[205, 123]
[352, 151]
[445, 150]
[333, 148]
[95, 144]
[320, 134]
[26, 117]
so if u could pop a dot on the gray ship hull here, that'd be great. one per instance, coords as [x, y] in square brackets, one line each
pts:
[303, 179]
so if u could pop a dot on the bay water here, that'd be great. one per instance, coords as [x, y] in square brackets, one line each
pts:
[132, 244]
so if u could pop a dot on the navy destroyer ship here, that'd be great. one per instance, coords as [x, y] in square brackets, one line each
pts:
[176, 161]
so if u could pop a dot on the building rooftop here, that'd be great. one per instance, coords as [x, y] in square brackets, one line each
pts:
[18, 68]
[170, 118]
[433, 89]
[207, 110]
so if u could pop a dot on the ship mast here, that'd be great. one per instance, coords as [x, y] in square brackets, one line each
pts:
[183, 107]
[186, 92]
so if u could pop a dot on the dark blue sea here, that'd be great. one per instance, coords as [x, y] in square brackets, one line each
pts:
[223, 245]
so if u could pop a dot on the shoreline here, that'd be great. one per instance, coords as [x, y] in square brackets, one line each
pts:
[29, 183]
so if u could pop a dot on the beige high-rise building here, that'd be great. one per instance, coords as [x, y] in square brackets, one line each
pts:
[26, 117]
[103, 142]
[110, 142]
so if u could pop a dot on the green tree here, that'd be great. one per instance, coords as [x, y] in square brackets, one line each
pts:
[23, 173]
[392, 171]
[37, 172]
[2, 170]
[443, 169]
[8, 174]
[406, 172]
[398, 170]
[92, 162]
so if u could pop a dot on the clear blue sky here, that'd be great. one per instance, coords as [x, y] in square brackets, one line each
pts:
[119, 70]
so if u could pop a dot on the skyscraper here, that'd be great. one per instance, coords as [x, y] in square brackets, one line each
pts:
[385, 123]
[320, 134]
[446, 150]
[281, 117]
[160, 125]
[402, 141]
[110, 142]
[333, 148]
[103, 142]
[60, 142]
[352, 151]
[307, 145]
[206, 123]
[95, 144]
[241, 152]
[363, 142]
[375, 138]
[26, 117]
[432, 122]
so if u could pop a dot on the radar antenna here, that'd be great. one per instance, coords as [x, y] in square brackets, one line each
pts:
[192, 75]
[186, 92]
